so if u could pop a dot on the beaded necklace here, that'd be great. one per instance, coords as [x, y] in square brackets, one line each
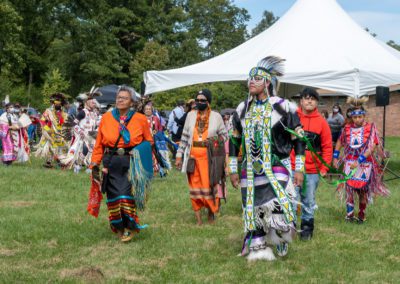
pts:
[202, 122]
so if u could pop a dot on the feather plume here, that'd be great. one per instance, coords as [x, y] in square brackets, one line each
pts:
[92, 90]
[357, 102]
[82, 97]
[273, 64]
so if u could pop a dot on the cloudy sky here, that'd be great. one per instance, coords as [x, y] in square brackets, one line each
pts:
[380, 16]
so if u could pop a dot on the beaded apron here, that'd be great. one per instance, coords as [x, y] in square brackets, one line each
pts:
[257, 134]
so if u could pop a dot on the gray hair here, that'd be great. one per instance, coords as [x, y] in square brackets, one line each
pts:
[128, 89]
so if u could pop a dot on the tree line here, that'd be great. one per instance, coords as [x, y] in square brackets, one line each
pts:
[68, 46]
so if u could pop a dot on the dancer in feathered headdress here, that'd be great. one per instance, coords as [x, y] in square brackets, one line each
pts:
[266, 181]
[53, 144]
[84, 132]
[363, 153]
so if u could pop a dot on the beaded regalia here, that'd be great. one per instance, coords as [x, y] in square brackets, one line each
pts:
[260, 140]
[53, 142]
[362, 150]
[84, 133]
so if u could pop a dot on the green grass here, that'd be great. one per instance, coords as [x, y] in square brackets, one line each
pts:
[46, 235]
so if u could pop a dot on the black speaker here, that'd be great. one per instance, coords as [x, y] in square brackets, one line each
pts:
[382, 96]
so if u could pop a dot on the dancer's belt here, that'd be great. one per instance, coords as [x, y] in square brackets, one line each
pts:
[119, 151]
[200, 143]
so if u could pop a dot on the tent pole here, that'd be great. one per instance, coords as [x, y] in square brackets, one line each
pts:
[356, 83]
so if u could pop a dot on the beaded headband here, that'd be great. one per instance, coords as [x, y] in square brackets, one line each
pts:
[357, 112]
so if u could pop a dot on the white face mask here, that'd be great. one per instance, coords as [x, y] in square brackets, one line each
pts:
[335, 110]
[11, 110]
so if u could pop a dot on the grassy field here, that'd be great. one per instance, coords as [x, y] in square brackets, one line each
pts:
[46, 235]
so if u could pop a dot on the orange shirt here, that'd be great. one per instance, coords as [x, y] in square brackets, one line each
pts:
[108, 134]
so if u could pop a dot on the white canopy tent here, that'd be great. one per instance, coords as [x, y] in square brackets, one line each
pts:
[323, 48]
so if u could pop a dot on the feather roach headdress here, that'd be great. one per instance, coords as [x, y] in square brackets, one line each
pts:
[357, 105]
[92, 94]
[272, 65]
[357, 102]
[58, 98]
[270, 68]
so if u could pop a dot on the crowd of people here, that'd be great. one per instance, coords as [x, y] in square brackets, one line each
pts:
[274, 151]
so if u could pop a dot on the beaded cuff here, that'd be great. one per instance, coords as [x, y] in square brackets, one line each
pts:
[336, 154]
[232, 165]
[300, 159]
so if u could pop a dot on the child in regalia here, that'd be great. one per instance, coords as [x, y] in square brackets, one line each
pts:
[363, 154]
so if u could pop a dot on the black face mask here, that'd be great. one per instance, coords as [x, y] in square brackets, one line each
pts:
[201, 106]
[57, 107]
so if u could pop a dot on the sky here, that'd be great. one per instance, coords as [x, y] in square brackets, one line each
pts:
[382, 17]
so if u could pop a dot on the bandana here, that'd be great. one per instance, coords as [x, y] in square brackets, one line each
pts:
[123, 121]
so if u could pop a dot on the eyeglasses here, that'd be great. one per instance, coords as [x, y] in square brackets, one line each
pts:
[200, 100]
[122, 98]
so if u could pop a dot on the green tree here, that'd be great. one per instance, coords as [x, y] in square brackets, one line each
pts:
[267, 20]
[224, 95]
[40, 26]
[113, 41]
[94, 59]
[55, 82]
[11, 47]
[393, 44]
[217, 26]
[153, 56]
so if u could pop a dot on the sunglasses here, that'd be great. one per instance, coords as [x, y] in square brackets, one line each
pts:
[200, 100]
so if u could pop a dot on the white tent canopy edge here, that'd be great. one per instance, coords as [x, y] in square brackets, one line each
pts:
[323, 48]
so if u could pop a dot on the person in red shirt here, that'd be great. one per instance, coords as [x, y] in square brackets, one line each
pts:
[316, 128]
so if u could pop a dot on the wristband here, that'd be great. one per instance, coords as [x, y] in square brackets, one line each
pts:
[361, 159]
[232, 165]
[336, 154]
[300, 159]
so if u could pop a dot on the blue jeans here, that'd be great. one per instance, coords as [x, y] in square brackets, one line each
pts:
[307, 196]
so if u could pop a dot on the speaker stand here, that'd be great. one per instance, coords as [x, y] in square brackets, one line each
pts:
[384, 126]
[387, 170]
[396, 176]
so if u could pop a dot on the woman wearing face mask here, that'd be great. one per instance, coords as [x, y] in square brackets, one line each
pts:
[336, 122]
[14, 136]
[202, 145]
